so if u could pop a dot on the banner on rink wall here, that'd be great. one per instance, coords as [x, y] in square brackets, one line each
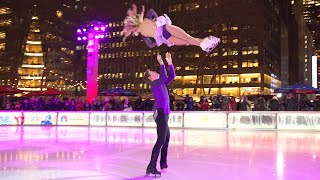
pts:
[11, 118]
[175, 119]
[98, 119]
[298, 121]
[254, 120]
[73, 118]
[124, 119]
[40, 118]
[205, 120]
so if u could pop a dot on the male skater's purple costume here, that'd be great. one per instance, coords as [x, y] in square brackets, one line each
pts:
[162, 110]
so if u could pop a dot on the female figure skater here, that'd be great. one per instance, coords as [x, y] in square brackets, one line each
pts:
[162, 31]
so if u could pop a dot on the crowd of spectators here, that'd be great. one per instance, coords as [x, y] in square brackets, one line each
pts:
[289, 102]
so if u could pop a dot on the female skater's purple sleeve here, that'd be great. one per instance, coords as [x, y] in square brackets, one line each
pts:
[151, 14]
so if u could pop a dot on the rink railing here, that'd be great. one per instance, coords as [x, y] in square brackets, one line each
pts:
[178, 119]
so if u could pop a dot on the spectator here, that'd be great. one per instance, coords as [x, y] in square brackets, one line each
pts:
[86, 106]
[189, 106]
[204, 104]
[274, 104]
[26, 105]
[95, 106]
[316, 104]
[139, 104]
[147, 105]
[127, 104]
[261, 104]
[17, 106]
[244, 105]
[179, 105]
[79, 105]
[233, 104]
[106, 105]
[226, 106]
[291, 103]
[172, 100]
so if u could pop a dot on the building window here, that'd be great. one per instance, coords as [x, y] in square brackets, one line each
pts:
[2, 46]
[255, 50]
[2, 35]
[224, 39]
[235, 40]
[224, 52]
[5, 22]
[224, 27]
[234, 28]
[5, 10]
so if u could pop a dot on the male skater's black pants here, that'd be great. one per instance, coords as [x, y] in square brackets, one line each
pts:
[163, 139]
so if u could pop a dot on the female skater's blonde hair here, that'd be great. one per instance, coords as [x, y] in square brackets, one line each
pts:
[131, 23]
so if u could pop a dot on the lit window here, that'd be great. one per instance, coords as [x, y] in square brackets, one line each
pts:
[234, 28]
[5, 22]
[235, 40]
[234, 52]
[224, 39]
[59, 13]
[5, 10]
[255, 50]
[224, 27]
[2, 46]
[244, 51]
[224, 52]
[2, 35]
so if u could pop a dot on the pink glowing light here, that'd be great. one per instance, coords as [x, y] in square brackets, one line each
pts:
[79, 38]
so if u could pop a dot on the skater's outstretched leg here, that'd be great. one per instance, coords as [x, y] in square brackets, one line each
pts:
[207, 44]
[178, 42]
[181, 34]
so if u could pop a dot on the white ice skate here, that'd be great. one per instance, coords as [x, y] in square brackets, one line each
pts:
[209, 43]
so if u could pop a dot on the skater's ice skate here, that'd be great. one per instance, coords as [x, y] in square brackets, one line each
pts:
[209, 43]
[163, 166]
[153, 171]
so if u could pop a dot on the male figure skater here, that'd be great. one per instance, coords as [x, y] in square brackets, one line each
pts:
[161, 114]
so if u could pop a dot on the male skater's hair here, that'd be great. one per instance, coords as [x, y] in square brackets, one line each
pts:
[146, 76]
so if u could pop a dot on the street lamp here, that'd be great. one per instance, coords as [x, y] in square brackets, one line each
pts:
[91, 33]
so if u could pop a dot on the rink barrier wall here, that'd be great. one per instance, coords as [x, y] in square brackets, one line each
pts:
[178, 119]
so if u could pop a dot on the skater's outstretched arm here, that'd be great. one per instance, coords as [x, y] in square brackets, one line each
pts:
[163, 72]
[171, 67]
[151, 14]
[141, 15]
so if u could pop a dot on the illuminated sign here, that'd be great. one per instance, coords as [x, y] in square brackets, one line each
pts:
[98, 119]
[124, 119]
[40, 118]
[205, 120]
[11, 118]
[73, 118]
[175, 120]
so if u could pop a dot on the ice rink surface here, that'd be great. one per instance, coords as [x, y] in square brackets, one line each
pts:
[91, 153]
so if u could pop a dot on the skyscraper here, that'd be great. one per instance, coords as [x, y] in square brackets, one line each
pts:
[247, 60]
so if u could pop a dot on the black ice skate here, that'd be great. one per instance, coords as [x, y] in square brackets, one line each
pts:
[153, 171]
[163, 166]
